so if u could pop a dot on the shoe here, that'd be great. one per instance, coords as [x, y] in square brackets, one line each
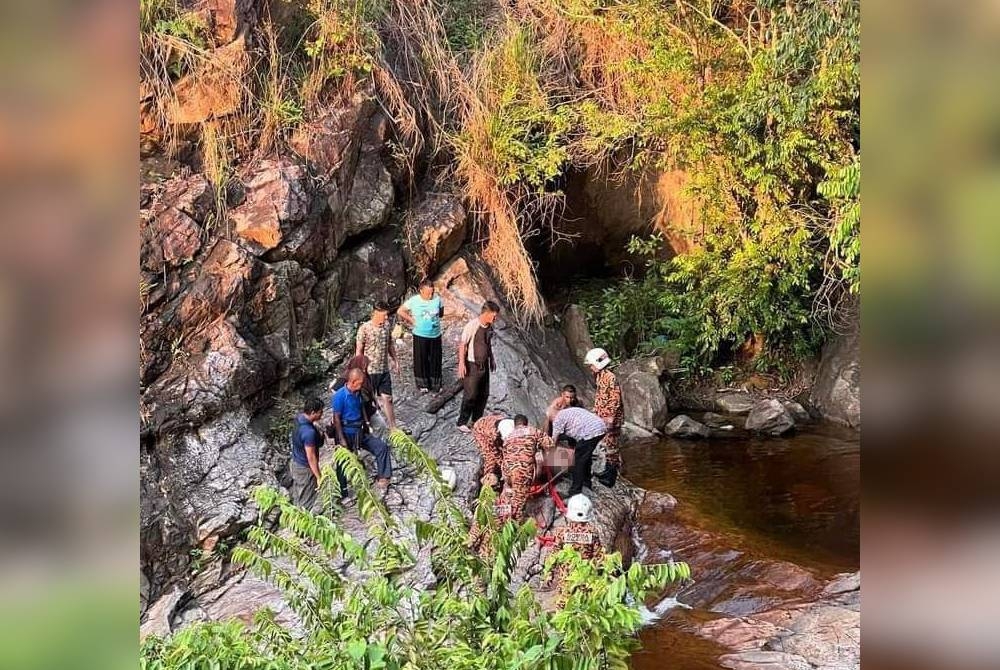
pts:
[464, 429]
[423, 391]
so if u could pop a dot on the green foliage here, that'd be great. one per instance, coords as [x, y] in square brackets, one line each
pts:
[703, 300]
[377, 618]
[843, 190]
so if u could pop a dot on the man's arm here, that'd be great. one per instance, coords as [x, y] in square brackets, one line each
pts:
[359, 347]
[338, 427]
[462, 350]
[312, 457]
[391, 350]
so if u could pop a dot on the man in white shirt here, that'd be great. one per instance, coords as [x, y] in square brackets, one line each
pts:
[475, 362]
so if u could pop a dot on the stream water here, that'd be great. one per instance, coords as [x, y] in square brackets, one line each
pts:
[751, 513]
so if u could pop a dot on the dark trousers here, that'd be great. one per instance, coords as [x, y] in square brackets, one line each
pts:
[378, 448]
[476, 385]
[583, 459]
[427, 362]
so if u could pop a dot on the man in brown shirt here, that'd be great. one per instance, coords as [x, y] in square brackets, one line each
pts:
[475, 362]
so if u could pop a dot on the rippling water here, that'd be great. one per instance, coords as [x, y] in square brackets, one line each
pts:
[744, 503]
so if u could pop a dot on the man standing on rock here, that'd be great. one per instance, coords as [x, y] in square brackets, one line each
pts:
[351, 426]
[566, 398]
[374, 340]
[422, 313]
[306, 442]
[475, 362]
[608, 405]
[587, 430]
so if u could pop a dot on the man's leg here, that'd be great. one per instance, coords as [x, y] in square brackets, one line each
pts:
[304, 490]
[582, 461]
[469, 385]
[482, 395]
[383, 460]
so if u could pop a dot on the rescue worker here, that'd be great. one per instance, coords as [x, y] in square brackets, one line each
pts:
[519, 448]
[481, 537]
[608, 405]
[486, 431]
[578, 533]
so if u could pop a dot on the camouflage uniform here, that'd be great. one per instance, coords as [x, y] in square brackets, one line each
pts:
[583, 537]
[519, 464]
[487, 437]
[481, 537]
[608, 406]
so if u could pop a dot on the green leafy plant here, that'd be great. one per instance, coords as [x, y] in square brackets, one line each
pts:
[377, 618]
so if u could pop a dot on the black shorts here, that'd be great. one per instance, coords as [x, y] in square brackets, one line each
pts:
[382, 383]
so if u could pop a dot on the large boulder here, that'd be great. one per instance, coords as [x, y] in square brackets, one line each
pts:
[836, 393]
[276, 200]
[370, 201]
[328, 141]
[642, 392]
[215, 89]
[435, 229]
[574, 328]
[685, 427]
[733, 402]
[172, 232]
[770, 417]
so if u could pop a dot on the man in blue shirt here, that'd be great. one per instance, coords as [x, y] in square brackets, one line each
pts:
[423, 314]
[351, 426]
[306, 440]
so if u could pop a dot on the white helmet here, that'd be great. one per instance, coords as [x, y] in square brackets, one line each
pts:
[505, 428]
[598, 358]
[578, 508]
[449, 477]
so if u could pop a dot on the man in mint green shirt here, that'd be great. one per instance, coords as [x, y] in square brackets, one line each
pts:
[423, 313]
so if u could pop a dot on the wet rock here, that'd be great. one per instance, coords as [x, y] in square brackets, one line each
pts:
[276, 199]
[435, 229]
[654, 503]
[574, 328]
[713, 420]
[825, 637]
[836, 393]
[215, 89]
[770, 417]
[798, 412]
[642, 393]
[685, 427]
[158, 616]
[210, 473]
[371, 198]
[733, 402]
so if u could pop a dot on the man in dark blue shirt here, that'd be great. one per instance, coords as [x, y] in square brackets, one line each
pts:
[306, 442]
[351, 426]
